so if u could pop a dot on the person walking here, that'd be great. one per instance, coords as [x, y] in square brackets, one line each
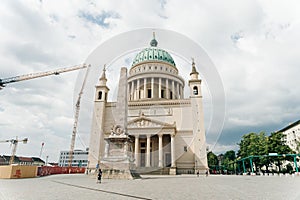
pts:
[99, 176]
[206, 172]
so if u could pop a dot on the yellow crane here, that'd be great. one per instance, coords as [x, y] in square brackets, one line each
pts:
[14, 143]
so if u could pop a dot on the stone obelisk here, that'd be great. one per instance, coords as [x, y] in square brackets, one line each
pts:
[122, 101]
[118, 157]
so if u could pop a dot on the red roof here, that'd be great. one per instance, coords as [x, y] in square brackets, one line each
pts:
[25, 159]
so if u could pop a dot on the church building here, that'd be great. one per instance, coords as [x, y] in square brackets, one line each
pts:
[167, 128]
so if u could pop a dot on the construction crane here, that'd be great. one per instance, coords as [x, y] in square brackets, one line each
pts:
[14, 143]
[5, 81]
[77, 108]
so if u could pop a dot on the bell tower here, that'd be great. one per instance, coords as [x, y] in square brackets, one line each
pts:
[199, 142]
[96, 146]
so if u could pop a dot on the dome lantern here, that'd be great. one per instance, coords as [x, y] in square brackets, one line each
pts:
[153, 42]
[153, 54]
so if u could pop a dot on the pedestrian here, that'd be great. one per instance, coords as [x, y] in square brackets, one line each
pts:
[99, 176]
[206, 172]
[198, 173]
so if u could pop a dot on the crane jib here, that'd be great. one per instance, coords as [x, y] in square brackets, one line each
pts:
[5, 81]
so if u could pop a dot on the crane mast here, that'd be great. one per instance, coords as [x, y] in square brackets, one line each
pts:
[14, 143]
[5, 81]
[77, 108]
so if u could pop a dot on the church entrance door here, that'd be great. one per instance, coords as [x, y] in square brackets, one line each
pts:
[143, 160]
[168, 159]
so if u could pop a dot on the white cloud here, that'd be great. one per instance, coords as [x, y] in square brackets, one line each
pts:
[252, 43]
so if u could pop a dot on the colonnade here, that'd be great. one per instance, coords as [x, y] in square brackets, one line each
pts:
[155, 88]
[161, 163]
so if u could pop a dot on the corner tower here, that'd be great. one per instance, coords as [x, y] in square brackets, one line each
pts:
[199, 142]
[97, 130]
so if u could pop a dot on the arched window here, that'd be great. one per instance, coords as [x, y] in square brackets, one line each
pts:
[195, 90]
[100, 95]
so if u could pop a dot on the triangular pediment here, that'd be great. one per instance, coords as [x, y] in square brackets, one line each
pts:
[144, 122]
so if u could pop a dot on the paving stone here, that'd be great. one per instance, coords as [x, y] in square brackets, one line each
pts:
[82, 186]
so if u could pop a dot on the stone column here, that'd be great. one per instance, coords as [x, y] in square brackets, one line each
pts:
[148, 152]
[145, 88]
[138, 89]
[172, 150]
[180, 91]
[159, 88]
[173, 90]
[136, 151]
[177, 90]
[167, 89]
[160, 151]
[152, 87]
[132, 90]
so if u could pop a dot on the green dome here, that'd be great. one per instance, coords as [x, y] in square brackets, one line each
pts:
[153, 54]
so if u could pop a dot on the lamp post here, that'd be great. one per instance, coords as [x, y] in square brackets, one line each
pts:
[47, 160]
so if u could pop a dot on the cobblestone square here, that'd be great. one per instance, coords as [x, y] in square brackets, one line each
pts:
[151, 187]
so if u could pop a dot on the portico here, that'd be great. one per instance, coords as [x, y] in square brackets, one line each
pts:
[154, 144]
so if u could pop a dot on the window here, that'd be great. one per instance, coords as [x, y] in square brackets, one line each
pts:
[100, 95]
[171, 95]
[185, 148]
[195, 90]
[149, 93]
[162, 92]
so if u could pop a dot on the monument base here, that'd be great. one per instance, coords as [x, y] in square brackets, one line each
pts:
[172, 171]
[118, 170]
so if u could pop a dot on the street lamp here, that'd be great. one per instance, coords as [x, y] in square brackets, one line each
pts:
[47, 160]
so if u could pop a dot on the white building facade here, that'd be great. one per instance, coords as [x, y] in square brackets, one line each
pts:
[166, 128]
[80, 158]
[292, 133]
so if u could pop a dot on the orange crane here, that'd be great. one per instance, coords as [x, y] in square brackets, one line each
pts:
[14, 143]
[5, 81]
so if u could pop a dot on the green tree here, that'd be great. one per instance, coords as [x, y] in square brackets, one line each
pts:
[253, 144]
[228, 159]
[276, 144]
[212, 159]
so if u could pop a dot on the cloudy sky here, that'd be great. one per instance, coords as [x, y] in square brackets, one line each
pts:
[253, 44]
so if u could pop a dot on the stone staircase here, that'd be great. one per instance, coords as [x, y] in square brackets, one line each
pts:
[153, 170]
[135, 174]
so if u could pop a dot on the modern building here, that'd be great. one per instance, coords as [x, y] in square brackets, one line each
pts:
[167, 128]
[80, 158]
[292, 132]
[21, 160]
